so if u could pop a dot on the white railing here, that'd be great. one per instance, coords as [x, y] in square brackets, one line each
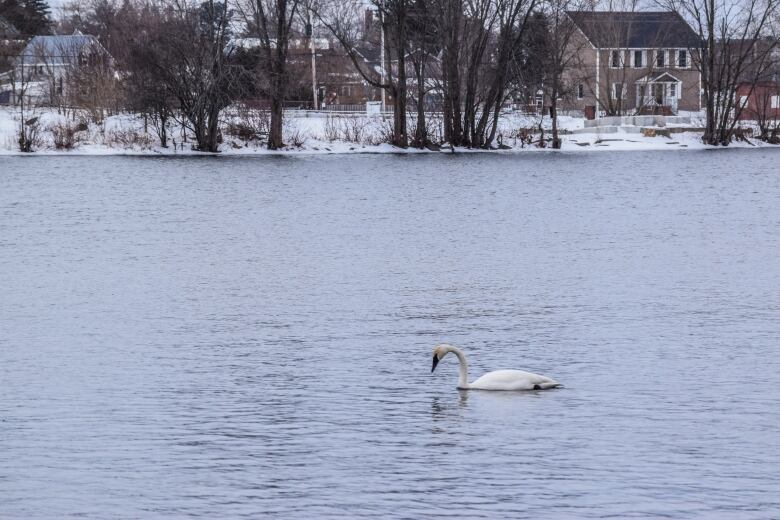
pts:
[654, 101]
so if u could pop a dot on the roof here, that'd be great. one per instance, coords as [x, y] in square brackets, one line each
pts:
[635, 29]
[663, 77]
[58, 49]
[370, 53]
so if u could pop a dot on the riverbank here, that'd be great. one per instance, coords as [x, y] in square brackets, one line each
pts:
[319, 133]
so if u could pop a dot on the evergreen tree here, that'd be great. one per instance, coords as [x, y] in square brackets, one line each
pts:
[30, 17]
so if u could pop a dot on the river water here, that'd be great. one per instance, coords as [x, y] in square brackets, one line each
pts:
[251, 337]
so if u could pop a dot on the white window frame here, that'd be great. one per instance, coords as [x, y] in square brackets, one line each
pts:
[641, 94]
[674, 91]
[621, 59]
[580, 91]
[622, 91]
[774, 102]
[641, 55]
[662, 55]
[743, 102]
[687, 59]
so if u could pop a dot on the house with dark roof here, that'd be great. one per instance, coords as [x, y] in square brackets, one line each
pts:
[642, 62]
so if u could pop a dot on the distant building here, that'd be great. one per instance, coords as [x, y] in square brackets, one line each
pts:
[633, 62]
[47, 63]
[758, 92]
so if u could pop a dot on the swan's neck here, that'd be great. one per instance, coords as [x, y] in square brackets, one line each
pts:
[463, 377]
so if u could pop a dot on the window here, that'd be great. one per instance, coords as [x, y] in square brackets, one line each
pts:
[660, 59]
[672, 90]
[682, 59]
[638, 61]
[743, 101]
[616, 59]
[642, 93]
[580, 91]
[774, 102]
[617, 91]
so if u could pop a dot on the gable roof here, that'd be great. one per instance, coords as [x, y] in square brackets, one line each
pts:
[663, 77]
[635, 29]
[59, 49]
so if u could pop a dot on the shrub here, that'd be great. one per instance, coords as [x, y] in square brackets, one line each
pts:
[353, 129]
[241, 131]
[65, 135]
[130, 139]
[332, 128]
[29, 135]
[248, 124]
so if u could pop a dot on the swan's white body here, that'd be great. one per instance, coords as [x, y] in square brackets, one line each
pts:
[497, 380]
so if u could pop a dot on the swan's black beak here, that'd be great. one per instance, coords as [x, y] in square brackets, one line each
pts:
[435, 362]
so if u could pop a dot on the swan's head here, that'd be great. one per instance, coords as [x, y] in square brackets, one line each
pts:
[439, 351]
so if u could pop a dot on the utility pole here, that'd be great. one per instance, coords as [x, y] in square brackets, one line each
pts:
[382, 52]
[22, 139]
[310, 34]
[314, 74]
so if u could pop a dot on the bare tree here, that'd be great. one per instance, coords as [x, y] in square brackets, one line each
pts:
[271, 21]
[144, 91]
[730, 55]
[422, 46]
[190, 55]
[562, 54]
[92, 85]
[24, 94]
[343, 18]
[479, 41]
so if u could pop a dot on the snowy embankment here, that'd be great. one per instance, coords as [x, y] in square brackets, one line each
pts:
[313, 133]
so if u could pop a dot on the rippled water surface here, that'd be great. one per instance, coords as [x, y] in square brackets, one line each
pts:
[225, 338]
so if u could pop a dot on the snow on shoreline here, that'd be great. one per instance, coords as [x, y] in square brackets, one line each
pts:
[125, 135]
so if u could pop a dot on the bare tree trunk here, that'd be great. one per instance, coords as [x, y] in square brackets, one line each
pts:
[556, 142]
[420, 132]
[275, 136]
[400, 136]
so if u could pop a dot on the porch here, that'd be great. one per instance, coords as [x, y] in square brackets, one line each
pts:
[658, 94]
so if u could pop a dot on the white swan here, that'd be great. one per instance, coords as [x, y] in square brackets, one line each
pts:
[497, 380]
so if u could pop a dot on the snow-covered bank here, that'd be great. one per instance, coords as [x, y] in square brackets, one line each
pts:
[316, 133]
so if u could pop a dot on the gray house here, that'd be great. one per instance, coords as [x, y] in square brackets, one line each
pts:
[47, 62]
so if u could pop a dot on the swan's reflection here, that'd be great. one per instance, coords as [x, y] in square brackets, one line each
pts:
[463, 399]
[442, 408]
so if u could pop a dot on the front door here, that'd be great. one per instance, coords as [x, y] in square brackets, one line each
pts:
[657, 91]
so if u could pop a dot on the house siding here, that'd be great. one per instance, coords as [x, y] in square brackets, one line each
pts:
[593, 67]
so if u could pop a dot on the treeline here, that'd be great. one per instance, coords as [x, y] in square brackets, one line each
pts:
[180, 58]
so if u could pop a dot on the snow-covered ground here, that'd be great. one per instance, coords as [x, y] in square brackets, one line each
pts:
[316, 133]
